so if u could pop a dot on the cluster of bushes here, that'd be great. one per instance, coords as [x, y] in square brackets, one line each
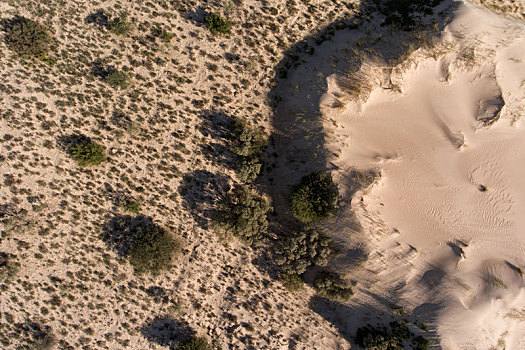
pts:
[249, 144]
[332, 286]
[36, 335]
[244, 214]
[29, 39]
[401, 14]
[373, 338]
[218, 25]
[314, 198]
[302, 249]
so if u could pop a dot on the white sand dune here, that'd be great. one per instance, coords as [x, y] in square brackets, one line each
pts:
[451, 150]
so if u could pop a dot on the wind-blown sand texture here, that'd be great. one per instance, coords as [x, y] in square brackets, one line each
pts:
[449, 142]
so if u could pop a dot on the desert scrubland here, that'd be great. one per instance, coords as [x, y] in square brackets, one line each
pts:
[262, 174]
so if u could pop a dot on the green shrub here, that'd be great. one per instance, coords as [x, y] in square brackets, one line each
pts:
[244, 214]
[27, 38]
[249, 144]
[217, 24]
[118, 79]
[152, 249]
[373, 338]
[132, 206]
[120, 26]
[331, 286]
[291, 281]
[194, 343]
[249, 170]
[295, 253]
[314, 198]
[88, 153]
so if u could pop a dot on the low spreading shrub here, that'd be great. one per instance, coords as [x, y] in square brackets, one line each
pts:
[244, 214]
[331, 286]
[218, 25]
[88, 153]
[27, 38]
[297, 252]
[117, 79]
[120, 26]
[194, 343]
[132, 206]
[152, 249]
[314, 198]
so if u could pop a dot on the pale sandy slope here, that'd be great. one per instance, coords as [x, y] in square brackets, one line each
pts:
[434, 153]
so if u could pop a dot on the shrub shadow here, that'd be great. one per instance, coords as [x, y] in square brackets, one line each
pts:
[215, 126]
[200, 191]
[67, 142]
[119, 232]
[98, 18]
[166, 331]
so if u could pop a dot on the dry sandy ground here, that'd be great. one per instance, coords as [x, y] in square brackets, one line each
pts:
[53, 212]
[446, 132]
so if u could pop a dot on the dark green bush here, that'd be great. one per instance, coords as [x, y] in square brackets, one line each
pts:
[194, 343]
[120, 26]
[152, 249]
[244, 214]
[291, 281]
[373, 338]
[405, 14]
[117, 79]
[27, 38]
[314, 198]
[217, 24]
[297, 252]
[88, 153]
[331, 286]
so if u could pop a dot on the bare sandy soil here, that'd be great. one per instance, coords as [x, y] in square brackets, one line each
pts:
[446, 134]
